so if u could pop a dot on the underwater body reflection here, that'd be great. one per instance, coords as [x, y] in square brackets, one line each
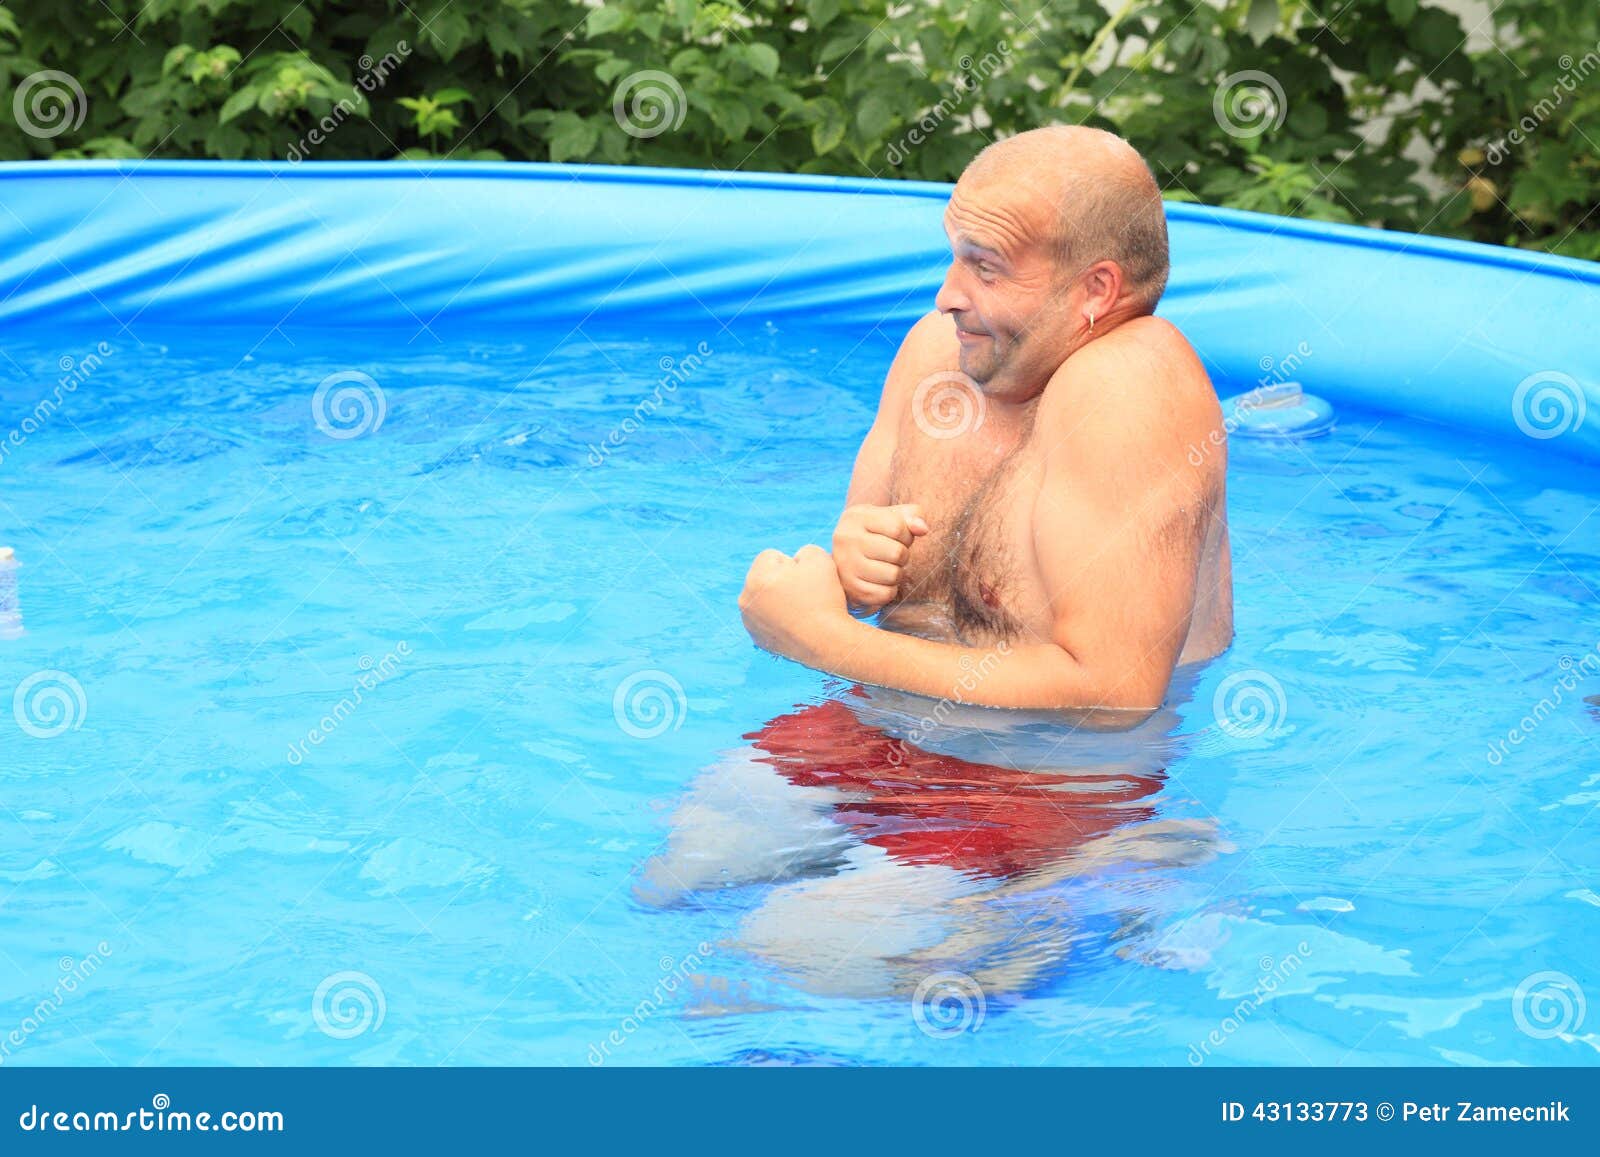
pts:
[882, 846]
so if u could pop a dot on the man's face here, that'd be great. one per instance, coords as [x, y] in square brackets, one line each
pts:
[1003, 289]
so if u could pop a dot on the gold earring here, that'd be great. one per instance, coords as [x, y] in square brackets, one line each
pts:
[1091, 323]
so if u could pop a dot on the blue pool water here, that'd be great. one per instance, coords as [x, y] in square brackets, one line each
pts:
[442, 743]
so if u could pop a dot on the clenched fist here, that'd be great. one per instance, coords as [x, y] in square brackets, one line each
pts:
[790, 605]
[870, 547]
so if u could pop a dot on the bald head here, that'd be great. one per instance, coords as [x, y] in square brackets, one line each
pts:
[1108, 205]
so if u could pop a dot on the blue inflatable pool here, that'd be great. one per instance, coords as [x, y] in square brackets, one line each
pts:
[379, 696]
[1468, 335]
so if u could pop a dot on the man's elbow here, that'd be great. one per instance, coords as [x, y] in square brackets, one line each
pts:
[1118, 694]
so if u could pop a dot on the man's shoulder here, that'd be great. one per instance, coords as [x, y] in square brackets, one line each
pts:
[1143, 378]
[1149, 343]
[929, 347]
[931, 343]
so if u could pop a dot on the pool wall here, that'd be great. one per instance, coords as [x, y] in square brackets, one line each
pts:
[1494, 340]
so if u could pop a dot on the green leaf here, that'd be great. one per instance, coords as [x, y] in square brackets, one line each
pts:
[689, 60]
[828, 125]
[449, 96]
[763, 58]
[874, 115]
[731, 116]
[504, 42]
[821, 13]
[175, 58]
[298, 23]
[1402, 10]
[238, 104]
[603, 20]
[571, 137]
[683, 13]
[1261, 21]
[1434, 33]
[838, 47]
[449, 31]
[1307, 119]
[609, 70]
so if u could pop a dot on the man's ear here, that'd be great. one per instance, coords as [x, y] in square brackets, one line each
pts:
[1102, 287]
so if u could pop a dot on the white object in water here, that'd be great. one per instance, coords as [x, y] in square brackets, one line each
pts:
[10, 608]
[1278, 410]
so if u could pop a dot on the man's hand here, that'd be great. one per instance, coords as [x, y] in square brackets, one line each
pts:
[792, 605]
[870, 547]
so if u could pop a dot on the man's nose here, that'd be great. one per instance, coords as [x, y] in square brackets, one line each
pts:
[952, 298]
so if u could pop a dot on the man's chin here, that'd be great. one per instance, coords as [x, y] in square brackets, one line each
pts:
[979, 367]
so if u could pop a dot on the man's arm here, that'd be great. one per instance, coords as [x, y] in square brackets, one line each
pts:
[924, 344]
[1118, 534]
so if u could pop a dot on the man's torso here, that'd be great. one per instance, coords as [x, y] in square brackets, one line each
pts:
[974, 578]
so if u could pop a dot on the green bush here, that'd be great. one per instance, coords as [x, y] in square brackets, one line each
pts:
[1371, 111]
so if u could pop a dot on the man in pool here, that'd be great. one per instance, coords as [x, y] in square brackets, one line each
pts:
[1024, 512]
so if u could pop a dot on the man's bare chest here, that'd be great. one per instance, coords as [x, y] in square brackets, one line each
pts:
[976, 563]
